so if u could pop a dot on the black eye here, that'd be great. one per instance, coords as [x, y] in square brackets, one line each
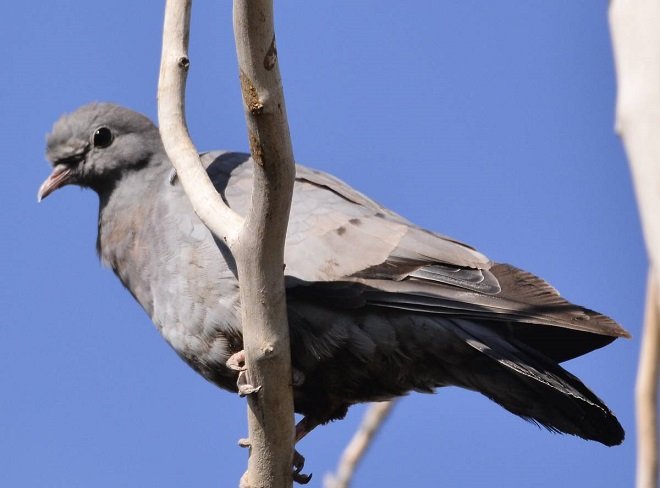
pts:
[102, 137]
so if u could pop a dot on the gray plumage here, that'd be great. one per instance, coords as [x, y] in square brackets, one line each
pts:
[377, 306]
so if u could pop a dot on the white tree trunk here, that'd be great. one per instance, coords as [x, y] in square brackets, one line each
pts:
[646, 392]
[635, 26]
[257, 242]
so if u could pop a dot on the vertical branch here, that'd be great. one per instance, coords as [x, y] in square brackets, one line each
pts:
[635, 26]
[260, 254]
[372, 421]
[258, 242]
[646, 391]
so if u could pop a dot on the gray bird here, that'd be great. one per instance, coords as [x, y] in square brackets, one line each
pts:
[377, 306]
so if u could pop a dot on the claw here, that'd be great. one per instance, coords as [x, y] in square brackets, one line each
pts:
[298, 461]
[298, 464]
[301, 479]
[236, 362]
[244, 387]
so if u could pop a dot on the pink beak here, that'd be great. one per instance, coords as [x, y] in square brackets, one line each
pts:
[60, 176]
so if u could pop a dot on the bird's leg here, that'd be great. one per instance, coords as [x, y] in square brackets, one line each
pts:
[304, 427]
[236, 362]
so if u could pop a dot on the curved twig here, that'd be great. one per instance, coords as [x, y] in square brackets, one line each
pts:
[174, 65]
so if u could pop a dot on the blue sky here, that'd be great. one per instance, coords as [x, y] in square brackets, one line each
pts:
[488, 121]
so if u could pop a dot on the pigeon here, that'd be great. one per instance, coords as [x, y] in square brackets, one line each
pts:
[377, 306]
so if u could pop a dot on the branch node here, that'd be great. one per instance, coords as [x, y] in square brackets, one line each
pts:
[244, 443]
[183, 62]
[250, 95]
[271, 56]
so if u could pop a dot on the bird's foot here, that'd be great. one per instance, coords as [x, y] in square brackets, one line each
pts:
[298, 464]
[236, 361]
[304, 427]
[244, 385]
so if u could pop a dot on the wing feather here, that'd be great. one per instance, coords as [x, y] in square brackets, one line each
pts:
[337, 234]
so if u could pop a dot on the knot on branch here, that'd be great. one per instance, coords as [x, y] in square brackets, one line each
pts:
[183, 62]
[250, 95]
[270, 60]
[256, 149]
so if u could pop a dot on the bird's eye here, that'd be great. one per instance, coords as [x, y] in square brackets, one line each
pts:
[102, 137]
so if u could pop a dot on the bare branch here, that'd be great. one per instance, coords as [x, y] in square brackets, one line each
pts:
[218, 217]
[257, 242]
[355, 450]
[646, 392]
[636, 42]
[260, 251]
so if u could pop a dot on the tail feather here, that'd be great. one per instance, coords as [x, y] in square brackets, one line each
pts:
[536, 388]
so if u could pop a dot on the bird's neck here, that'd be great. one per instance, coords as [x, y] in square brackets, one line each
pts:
[126, 217]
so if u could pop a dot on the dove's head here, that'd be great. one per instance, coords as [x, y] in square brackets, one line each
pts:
[97, 145]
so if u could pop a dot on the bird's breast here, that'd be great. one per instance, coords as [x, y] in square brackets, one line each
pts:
[170, 263]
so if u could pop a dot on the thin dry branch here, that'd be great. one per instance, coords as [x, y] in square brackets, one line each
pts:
[646, 392]
[636, 41]
[257, 242]
[372, 421]
[260, 251]
[174, 64]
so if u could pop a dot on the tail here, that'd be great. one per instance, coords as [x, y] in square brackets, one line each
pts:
[534, 387]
